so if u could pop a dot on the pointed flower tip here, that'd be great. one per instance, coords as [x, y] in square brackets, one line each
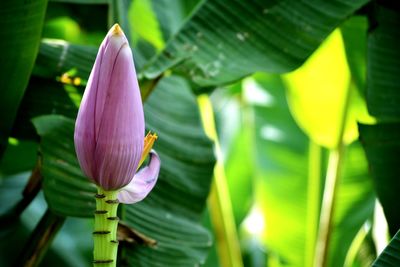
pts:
[116, 30]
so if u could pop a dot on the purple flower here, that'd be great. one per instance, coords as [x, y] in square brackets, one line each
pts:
[109, 129]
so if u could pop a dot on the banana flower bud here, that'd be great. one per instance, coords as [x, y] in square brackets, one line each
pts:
[109, 129]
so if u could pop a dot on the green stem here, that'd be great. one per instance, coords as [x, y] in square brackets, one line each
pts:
[105, 229]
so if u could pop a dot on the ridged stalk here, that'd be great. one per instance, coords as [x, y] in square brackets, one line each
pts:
[105, 229]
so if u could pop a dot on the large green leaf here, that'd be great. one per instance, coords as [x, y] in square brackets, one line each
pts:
[289, 187]
[20, 27]
[383, 68]
[390, 255]
[216, 45]
[226, 40]
[382, 147]
[172, 211]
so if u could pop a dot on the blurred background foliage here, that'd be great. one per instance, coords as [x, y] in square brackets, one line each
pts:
[278, 126]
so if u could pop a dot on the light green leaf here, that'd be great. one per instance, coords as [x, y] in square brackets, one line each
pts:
[144, 23]
[318, 93]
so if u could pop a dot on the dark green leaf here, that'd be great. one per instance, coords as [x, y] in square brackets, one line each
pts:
[186, 153]
[180, 241]
[24, 151]
[383, 69]
[45, 96]
[382, 146]
[226, 40]
[20, 28]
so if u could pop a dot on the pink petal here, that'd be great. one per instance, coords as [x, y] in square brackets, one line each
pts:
[120, 136]
[142, 183]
